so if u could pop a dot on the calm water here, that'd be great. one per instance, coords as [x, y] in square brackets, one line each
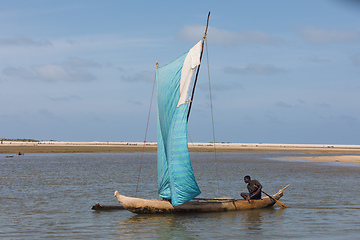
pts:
[51, 195]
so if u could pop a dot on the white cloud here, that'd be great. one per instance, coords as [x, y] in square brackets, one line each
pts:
[73, 69]
[191, 33]
[144, 76]
[349, 119]
[55, 72]
[23, 41]
[322, 105]
[46, 113]
[318, 35]
[317, 59]
[51, 73]
[222, 36]
[254, 69]
[222, 86]
[283, 104]
[65, 98]
[18, 72]
[82, 63]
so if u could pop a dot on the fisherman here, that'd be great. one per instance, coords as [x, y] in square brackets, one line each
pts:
[254, 188]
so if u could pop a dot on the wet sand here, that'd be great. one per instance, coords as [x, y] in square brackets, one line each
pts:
[12, 148]
[340, 158]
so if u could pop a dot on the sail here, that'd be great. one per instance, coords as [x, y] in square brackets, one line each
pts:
[176, 180]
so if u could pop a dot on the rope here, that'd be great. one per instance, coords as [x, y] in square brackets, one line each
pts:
[147, 126]
[212, 119]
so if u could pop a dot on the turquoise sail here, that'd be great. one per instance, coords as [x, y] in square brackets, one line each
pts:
[176, 180]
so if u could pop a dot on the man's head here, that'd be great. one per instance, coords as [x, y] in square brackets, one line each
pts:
[247, 179]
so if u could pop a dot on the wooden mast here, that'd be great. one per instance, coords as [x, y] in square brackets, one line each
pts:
[197, 72]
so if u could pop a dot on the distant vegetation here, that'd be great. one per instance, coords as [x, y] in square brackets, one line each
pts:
[19, 140]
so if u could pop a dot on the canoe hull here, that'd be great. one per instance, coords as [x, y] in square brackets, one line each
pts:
[140, 205]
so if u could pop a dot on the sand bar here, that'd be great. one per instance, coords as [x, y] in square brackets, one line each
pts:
[14, 147]
[340, 158]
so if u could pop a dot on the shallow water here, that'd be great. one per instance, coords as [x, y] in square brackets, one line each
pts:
[51, 195]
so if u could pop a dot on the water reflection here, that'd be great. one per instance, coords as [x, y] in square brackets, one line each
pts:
[154, 226]
[207, 225]
[253, 220]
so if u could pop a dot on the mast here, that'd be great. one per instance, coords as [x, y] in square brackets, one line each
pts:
[197, 72]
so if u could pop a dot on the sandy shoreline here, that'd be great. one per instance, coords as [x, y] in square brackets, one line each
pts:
[12, 148]
[340, 158]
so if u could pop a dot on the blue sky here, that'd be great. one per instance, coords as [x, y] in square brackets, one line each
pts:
[281, 71]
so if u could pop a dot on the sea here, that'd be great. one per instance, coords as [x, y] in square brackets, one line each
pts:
[50, 196]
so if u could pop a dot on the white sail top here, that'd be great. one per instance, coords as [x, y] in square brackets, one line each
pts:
[191, 61]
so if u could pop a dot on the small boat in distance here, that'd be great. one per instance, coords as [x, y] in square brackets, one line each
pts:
[177, 186]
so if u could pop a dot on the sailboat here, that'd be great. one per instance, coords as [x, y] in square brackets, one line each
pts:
[177, 186]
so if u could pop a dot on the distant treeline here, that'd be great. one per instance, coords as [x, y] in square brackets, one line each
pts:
[19, 140]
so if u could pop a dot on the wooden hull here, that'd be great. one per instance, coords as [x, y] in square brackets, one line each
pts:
[140, 205]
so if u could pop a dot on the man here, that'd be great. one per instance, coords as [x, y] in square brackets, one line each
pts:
[254, 188]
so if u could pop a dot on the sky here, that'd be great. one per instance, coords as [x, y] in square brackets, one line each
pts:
[280, 71]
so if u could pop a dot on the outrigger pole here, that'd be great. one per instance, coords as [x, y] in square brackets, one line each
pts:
[197, 72]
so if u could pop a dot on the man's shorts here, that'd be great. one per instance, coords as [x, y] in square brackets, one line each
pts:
[255, 197]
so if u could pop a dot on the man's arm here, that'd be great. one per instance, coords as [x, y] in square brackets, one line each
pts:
[258, 190]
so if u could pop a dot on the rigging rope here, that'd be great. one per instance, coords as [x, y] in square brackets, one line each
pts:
[147, 126]
[212, 119]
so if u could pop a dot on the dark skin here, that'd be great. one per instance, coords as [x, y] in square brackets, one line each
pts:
[246, 196]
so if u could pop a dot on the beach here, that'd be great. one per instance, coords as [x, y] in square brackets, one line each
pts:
[342, 153]
[338, 158]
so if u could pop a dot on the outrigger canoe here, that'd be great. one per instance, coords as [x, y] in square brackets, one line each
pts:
[140, 205]
[176, 180]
